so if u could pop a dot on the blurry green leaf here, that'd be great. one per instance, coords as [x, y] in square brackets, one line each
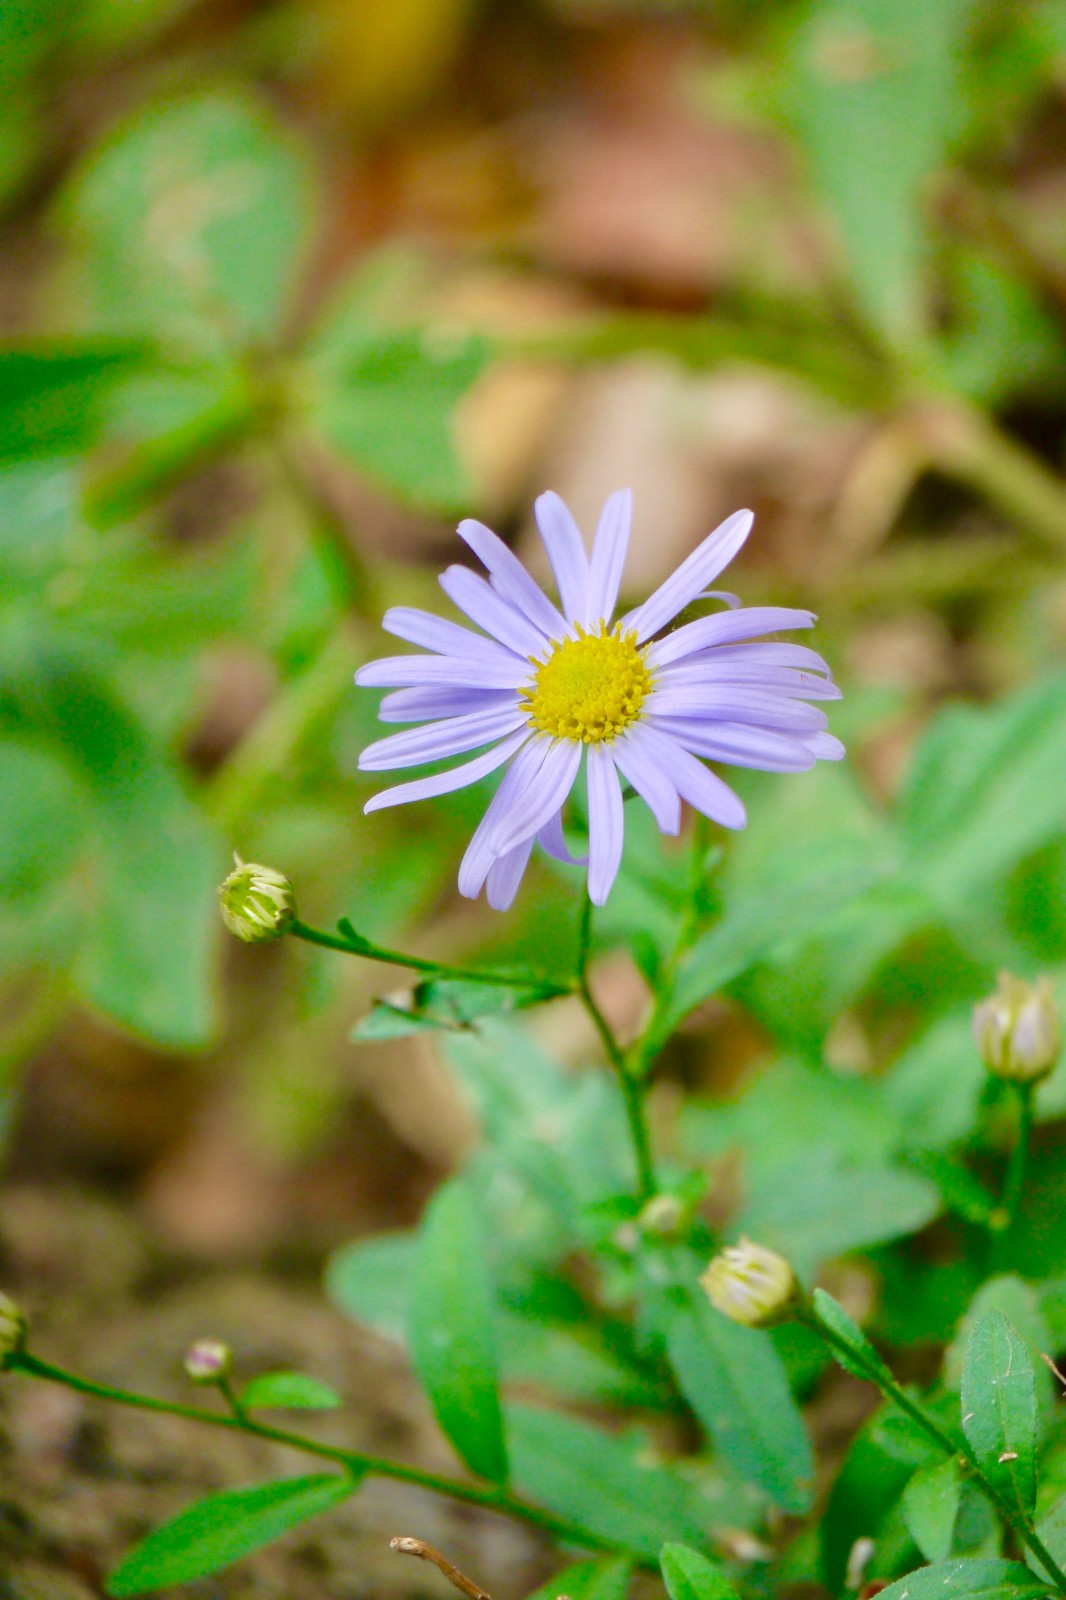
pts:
[148, 962]
[451, 1331]
[1051, 1529]
[931, 1504]
[289, 1391]
[999, 1415]
[1004, 344]
[386, 398]
[371, 1281]
[934, 1087]
[850, 1346]
[817, 1210]
[220, 1530]
[606, 1579]
[51, 397]
[984, 790]
[440, 1003]
[733, 1379]
[191, 219]
[875, 98]
[968, 1580]
[603, 1482]
[40, 820]
[690, 1576]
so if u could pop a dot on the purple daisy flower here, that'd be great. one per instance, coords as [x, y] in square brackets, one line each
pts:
[542, 685]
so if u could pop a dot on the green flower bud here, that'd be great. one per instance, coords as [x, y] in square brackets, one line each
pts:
[12, 1329]
[1017, 1030]
[751, 1285]
[209, 1361]
[257, 903]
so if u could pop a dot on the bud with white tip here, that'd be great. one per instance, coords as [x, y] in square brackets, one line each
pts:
[209, 1361]
[257, 903]
[12, 1329]
[1017, 1030]
[751, 1285]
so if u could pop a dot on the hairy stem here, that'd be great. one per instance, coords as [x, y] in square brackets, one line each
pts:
[490, 1499]
[351, 943]
[630, 1082]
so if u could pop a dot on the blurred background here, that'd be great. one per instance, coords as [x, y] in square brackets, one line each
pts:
[285, 288]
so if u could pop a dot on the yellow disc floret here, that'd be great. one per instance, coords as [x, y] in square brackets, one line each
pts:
[588, 688]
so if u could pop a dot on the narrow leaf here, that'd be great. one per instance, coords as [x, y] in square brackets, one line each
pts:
[690, 1576]
[450, 1331]
[999, 1415]
[976, 1580]
[291, 1391]
[734, 1381]
[218, 1531]
[854, 1351]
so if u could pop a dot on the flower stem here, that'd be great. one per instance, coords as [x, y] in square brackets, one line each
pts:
[354, 944]
[1006, 1215]
[490, 1499]
[630, 1082]
[898, 1396]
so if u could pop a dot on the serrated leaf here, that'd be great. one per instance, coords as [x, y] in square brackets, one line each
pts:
[733, 1379]
[607, 1579]
[451, 1331]
[851, 1347]
[968, 1580]
[290, 1391]
[222, 1529]
[690, 1576]
[931, 1504]
[999, 1413]
[603, 1482]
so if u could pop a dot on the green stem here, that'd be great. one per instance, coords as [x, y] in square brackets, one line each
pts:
[650, 1042]
[353, 944]
[630, 1083]
[892, 1391]
[1005, 1218]
[490, 1499]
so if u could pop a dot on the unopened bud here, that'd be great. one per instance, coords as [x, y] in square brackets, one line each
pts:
[751, 1285]
[209, 1361]
[257, 903]
[662, 1216]
[1017, 1030]
[12, 1329]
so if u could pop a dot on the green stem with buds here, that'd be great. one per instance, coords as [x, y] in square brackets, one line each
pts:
[629, 1081]
[892, 1391]
[351, 943]
[354, 1461]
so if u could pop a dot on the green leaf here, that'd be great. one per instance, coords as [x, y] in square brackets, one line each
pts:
[984, 791]
[51, 397]
[371, 1280]
[385, 398]
[815, 1210]
[289, 1391]
[607, 1579]
[1051, 1529]
[999, 1415]
[733, 1379]
[968, 1580]
[931, 1504]
[451, 1331]
[148, 960]
[1019, 1302]
[752, 928]
[442, 1004]
[854, 1351]
[874, 90]
[191, 218]
[222, 1529]
[690, 1576]
[603, 1482]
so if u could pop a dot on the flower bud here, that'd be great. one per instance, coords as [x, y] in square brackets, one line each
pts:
[751, 1285]
[662, 1217]
[1017, 1030]
[257, 903]
[12, 1329]
[209, 1361]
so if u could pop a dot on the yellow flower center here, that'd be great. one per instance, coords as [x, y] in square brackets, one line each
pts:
[589, 688]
